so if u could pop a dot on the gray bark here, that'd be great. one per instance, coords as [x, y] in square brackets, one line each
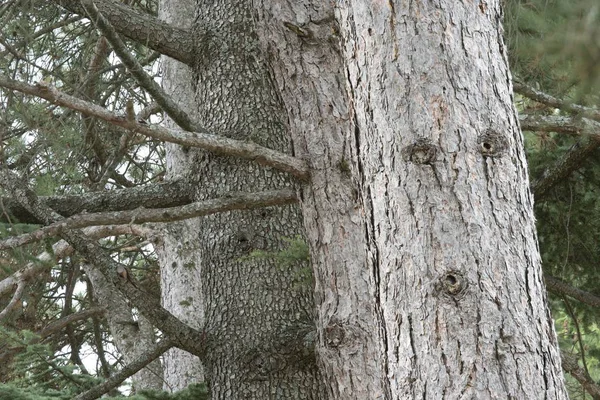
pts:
[132, 337]
[418, 213]
[246, 305]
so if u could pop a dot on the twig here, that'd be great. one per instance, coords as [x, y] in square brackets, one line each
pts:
[552, 101]
[127, 371]
[180, 117]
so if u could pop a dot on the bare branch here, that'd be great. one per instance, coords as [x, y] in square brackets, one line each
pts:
[143, 28]
[558, 286]
[552, 101]
[202, 139]
[63, 249]
[179, 116]
[14, 301]
[183, 335]
[241, 201]
[127, 371]
[156, 195]
[570, 365]
[560, 124]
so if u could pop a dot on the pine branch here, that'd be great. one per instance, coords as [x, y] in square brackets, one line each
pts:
[156, 195]
[552, 101]
[115, 380]
[146, 81]
[202, 139]
[183, 335]
[143, 28]
[234, 201]
[573, 159]
[561, 287]
[570, 365]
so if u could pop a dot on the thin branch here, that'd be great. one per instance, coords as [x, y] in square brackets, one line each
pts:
[573, 159]
[179, 116]
[202, 139]
[552, 101]
[143, 29]
[561, 287]
[14, 301]
[62, 249]
[570, 365]
[127, 371]
[58, 325]
[241, 201]
[183, 336]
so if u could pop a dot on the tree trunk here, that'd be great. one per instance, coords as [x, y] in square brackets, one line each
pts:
[132, 337]
[210, 280]
[418, 213]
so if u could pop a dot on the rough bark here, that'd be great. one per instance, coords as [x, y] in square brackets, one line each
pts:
[418, 212]
[143, 28]
[245, 304]
[160, 195]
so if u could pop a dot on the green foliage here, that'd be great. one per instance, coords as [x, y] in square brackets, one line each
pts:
[294, 256]
[555, 45]
[568, 223]
[192, 392]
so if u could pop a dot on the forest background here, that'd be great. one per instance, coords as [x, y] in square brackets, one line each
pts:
[51, 325]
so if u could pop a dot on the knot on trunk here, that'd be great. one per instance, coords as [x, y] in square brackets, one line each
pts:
[422, 151]
[334, 335]
[452, 284]
[492, 144]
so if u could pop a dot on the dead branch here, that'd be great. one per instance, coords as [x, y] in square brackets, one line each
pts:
[179, 116]
[241, 201]
[552, 101]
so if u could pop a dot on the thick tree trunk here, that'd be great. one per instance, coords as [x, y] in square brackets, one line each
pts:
[418, 212]
[245, 304]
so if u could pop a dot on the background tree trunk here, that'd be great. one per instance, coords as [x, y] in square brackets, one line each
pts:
[428, 274]
[246, 304]
[132, 336]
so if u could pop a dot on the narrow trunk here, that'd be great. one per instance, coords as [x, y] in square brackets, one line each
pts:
[248, 305]
[132, 337]
[418, 213]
